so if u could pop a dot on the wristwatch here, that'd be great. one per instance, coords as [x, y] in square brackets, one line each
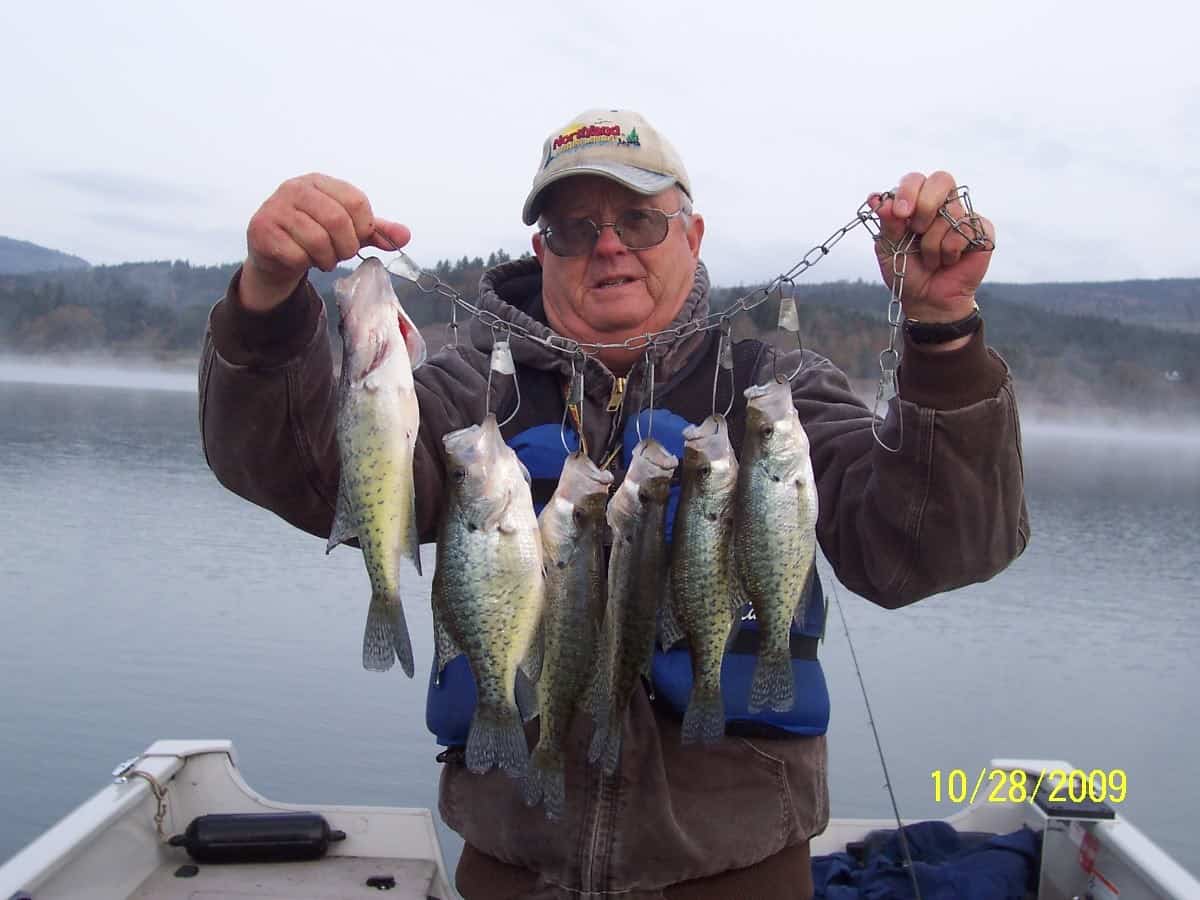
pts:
[941, 332]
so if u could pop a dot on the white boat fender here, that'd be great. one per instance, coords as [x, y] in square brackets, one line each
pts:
[257, 837]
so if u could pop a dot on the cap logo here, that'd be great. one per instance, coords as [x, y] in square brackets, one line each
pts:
[576, 138]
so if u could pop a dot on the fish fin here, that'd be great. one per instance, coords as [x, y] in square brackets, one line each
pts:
[526, 695]
[413, 551]
[736, 598]
[497, 739]
[343, 528]
[606, 745]
[704, 719]
[799, 613]
[670, 632]
[546, 782]
[531, 665]
[413, 339]
[772, 686]
[495, 518]
[445, 647]
[378, 653]
[599, 691]
[400, 637]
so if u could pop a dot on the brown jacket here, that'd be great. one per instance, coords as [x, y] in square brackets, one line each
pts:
[947, 510]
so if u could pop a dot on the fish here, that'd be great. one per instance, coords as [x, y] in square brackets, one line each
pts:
[704, 596]
[377, 423]
[775, 537]
[636, 580]
[572, 527]
[488, 587]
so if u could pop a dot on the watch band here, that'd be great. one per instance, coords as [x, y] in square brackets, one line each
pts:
[940, 332]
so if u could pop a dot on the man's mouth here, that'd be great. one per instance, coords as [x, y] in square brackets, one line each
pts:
[617, 281]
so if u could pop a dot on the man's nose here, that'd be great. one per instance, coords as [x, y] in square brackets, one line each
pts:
[608, 242]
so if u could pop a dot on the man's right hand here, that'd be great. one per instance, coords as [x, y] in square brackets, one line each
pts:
[313, 220]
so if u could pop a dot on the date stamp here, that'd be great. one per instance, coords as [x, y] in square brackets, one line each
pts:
[1019, 786]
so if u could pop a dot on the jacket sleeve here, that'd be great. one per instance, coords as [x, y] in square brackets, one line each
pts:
[268, 410]
[948, 508]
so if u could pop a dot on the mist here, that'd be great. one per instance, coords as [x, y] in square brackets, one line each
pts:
[98, 372]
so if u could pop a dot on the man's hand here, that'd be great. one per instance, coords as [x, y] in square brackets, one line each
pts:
[313, 220]
[940, 281]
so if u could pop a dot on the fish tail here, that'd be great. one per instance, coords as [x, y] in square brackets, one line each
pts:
[546, 782]
[497, 739]
[378, 653]
[386, 636]
[704, 719]
[772, 686]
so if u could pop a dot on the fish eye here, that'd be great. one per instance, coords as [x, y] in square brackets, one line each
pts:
[577, 515]
[705, 469]
[460, 475]
[767, 430]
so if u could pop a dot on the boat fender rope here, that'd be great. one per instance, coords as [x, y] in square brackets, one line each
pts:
[160, 798]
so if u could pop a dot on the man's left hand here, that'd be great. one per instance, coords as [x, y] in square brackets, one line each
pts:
[940, 281]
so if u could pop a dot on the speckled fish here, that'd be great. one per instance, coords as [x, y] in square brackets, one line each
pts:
[488, 586]
[775, 539]
[377, 422]
[704, 599]
[572, 526]
[636, 579]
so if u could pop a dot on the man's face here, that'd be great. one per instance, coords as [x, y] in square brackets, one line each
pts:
[614, 293]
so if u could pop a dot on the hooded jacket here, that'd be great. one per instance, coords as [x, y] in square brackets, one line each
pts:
[946, 510]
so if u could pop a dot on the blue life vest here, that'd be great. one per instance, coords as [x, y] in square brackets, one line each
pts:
[451, 701]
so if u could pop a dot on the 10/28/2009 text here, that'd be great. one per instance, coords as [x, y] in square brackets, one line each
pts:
[1019, 786]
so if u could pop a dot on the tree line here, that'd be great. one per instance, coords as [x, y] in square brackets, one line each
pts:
[161, 309]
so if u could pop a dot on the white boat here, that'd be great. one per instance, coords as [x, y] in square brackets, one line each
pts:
[115, 844]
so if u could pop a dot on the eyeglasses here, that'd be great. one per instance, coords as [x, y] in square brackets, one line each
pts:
[638, 229]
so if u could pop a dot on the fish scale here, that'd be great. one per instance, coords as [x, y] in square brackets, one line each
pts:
[704, 599]
[377, 422]
[775, 534]
[488, 587]
[636, 578]
[572, 527]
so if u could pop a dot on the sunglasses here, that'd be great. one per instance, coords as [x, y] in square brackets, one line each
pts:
[637, 229]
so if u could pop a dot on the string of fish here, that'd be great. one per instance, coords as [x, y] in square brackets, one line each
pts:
[967, 225]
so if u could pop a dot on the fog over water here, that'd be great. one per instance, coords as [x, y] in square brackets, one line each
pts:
[139, 599]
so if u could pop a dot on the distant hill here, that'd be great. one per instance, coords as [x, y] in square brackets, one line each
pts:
[22, 257]
[1172, 303]
[1056, 348]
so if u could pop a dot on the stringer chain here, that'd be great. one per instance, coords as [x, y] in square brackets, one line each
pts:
[968, 225]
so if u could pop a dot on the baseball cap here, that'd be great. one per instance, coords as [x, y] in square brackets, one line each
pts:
[618, 144]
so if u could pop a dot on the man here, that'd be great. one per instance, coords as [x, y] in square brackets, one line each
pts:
[618, 255]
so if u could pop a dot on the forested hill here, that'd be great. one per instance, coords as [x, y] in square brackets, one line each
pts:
[159, 309]
[1172, 303]
[19, 257]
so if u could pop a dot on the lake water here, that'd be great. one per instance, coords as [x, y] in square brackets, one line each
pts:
[140, 600]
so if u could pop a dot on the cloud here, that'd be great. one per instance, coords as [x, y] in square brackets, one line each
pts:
[170, 228]
[122, 187]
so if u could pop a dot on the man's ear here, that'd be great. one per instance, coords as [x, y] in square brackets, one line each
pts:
[695, 234]
[539, 247]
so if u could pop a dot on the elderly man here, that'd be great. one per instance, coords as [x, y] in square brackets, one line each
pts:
[618, 255]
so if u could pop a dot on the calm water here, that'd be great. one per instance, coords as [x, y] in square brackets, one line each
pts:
[139, 600]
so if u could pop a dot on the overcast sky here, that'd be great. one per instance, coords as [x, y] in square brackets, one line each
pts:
[133, 131]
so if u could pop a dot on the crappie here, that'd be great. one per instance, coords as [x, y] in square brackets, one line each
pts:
[488, 586]
[377, 421]
[572, 526]
[775, 534]
[636, 577]
[704, 599]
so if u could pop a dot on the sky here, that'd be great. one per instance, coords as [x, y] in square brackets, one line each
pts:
[136, 131]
